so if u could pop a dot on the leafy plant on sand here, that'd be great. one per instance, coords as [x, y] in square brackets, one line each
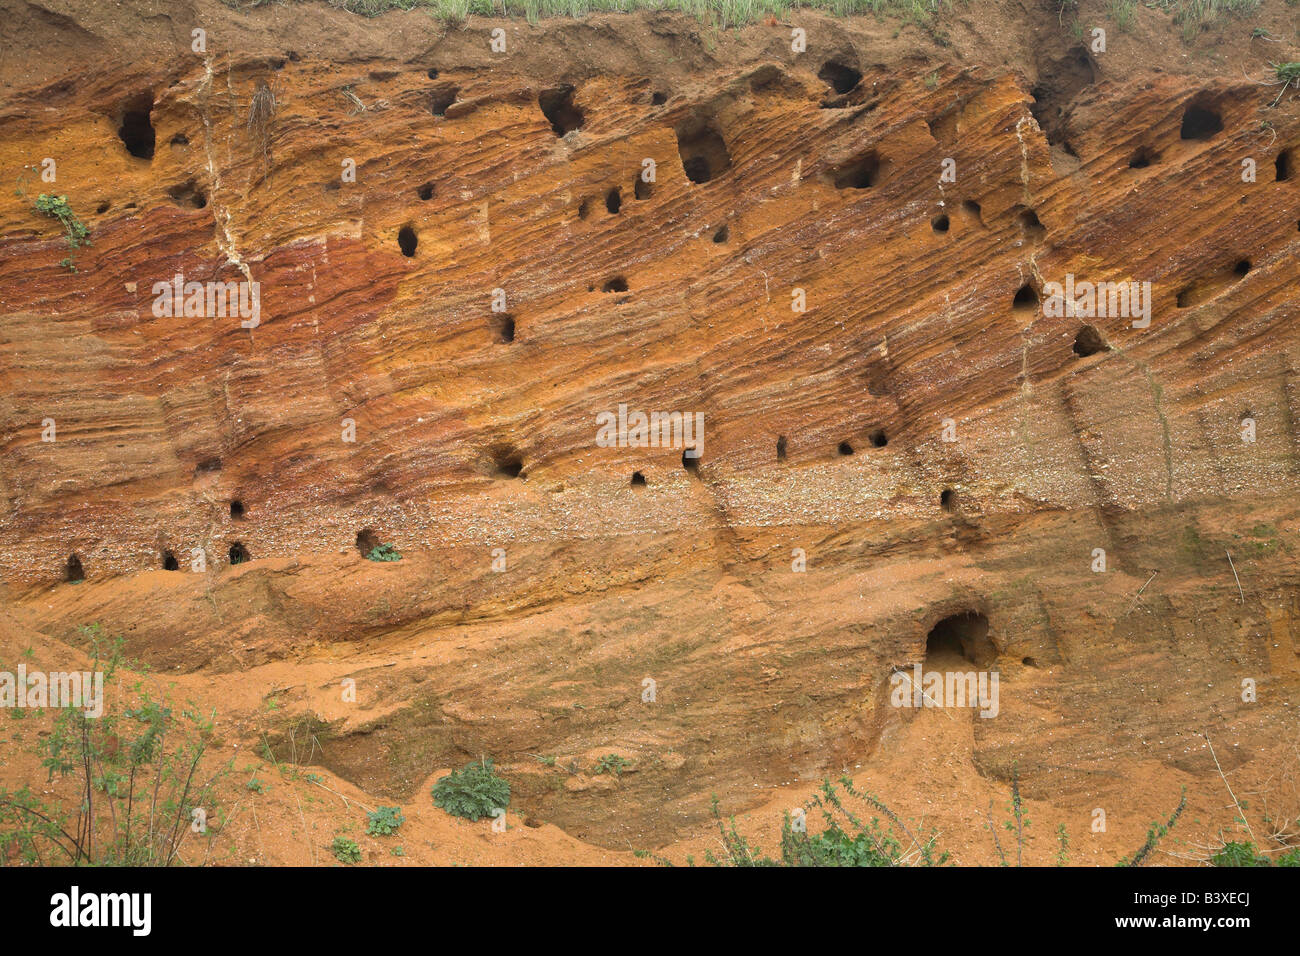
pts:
[611, 763]
[1245, 854]
[472, 793]
[846, 839]
[383, 552]
[345, 850]
[136, 775]
[78, 235]
[383, 821]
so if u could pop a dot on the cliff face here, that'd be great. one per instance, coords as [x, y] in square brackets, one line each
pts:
[844, 263]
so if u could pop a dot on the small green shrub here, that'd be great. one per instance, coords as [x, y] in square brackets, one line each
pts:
[383, 552]
[611, 763]
[472, 793]
[345, 850]
[1287, 72]
[56, 207]
[1245, 854]
[384, 821]
[846, 839]
[136, 770]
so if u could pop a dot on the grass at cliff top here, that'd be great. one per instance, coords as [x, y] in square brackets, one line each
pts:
[1194, 16]
[724, 12]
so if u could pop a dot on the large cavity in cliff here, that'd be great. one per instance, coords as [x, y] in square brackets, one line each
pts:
[755, 374]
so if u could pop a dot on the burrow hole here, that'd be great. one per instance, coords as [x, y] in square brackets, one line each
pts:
[1282, 166]
[964, 635]
[702, 148]
[1089, 341]
[1143, 158]
[367, 541]
[239, 554]
[1030, 225]
[169, 562]
[844, 448]
[863, 172]
[136, 128]
[638, 480]
[506, 461]
[642, 189]
[940, 222]
[1026, 299]
[839, 77]
[237, 510]
[691, 461]
[72, 570]
[1200, 122]
[878, 438]
[780, 448]
[948, 500]
[407, 240]
[722, 235]
[616, 284]
[613, 201]
[504, 327]
[441, 99]
[426, 191]
[557, 106]
[189, 194]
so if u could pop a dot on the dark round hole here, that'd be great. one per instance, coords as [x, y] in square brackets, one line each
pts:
[722, 235]
[407, 240]
[425, 192]
[939, 223]
[169, 562]
[136, 130]
[964, 635]
[1088, 341]
[613, 201]
[879, 439]
[1026, 298]
[239, 554]
[236, 509]
[638, 480]
[839, 77]
[1200, 123]
[948, 500]
[367, 541]
[845, 448]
